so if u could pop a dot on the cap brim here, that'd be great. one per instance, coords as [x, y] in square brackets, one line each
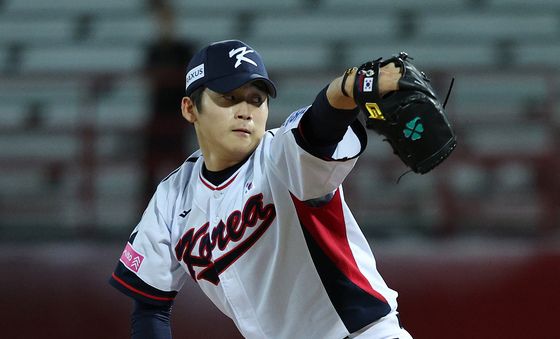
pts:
[229, 83]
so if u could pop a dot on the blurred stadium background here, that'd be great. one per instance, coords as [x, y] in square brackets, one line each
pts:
[473, 247]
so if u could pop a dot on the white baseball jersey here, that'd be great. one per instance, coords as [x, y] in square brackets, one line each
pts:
[275, 247]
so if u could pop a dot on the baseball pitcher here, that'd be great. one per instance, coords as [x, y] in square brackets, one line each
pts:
[258, 218]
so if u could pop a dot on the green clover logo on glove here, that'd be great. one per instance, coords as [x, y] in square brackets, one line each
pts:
[413, 129]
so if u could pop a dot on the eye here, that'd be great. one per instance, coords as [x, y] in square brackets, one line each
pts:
[228, 97]
[257, 100]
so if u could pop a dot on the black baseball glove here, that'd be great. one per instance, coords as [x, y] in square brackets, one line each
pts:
[412, 119]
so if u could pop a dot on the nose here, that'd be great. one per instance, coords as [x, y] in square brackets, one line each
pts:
[243, 111]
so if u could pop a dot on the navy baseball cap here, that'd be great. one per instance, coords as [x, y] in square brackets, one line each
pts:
[226, 65]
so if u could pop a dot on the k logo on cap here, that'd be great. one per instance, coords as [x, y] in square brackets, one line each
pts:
[239, 53]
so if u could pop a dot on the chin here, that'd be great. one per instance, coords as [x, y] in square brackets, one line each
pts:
[242, 151]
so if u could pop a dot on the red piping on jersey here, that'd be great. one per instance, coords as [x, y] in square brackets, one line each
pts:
[138, 291]
[218, 188]
[327, 226]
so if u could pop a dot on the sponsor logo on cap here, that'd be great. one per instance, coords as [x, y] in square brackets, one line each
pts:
[195, 74]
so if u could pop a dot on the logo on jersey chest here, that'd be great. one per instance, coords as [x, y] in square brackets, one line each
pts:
[196, 245]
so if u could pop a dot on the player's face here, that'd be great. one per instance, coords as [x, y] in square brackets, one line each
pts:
[229, 126]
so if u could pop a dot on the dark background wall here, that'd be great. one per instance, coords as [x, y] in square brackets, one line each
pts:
[458, 290]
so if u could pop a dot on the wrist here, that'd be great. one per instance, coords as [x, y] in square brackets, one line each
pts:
[347, 83]
[335, 95]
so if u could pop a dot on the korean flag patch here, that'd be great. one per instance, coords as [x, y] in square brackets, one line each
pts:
[368, 84]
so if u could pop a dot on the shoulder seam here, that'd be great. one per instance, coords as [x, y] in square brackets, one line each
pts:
[191, 159]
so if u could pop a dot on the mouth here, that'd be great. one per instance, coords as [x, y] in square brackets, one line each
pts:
[242, 130]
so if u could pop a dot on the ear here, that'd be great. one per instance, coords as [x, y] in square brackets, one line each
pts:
[188, 110]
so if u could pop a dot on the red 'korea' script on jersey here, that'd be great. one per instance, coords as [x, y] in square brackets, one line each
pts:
[254, 215]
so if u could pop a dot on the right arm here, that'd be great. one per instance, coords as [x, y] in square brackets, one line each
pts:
[316, 147]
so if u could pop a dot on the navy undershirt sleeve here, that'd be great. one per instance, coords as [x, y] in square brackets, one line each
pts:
[150, 321]
[323, 126]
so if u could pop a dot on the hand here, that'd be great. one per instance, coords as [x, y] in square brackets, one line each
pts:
[389, 76]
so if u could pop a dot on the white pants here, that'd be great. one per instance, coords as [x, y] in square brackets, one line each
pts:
[387, 327]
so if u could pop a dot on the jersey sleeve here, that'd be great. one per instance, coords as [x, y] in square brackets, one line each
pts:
[147, 269]
[308, 172]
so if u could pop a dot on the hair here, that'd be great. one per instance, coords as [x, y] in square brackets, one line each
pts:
[196, 97]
